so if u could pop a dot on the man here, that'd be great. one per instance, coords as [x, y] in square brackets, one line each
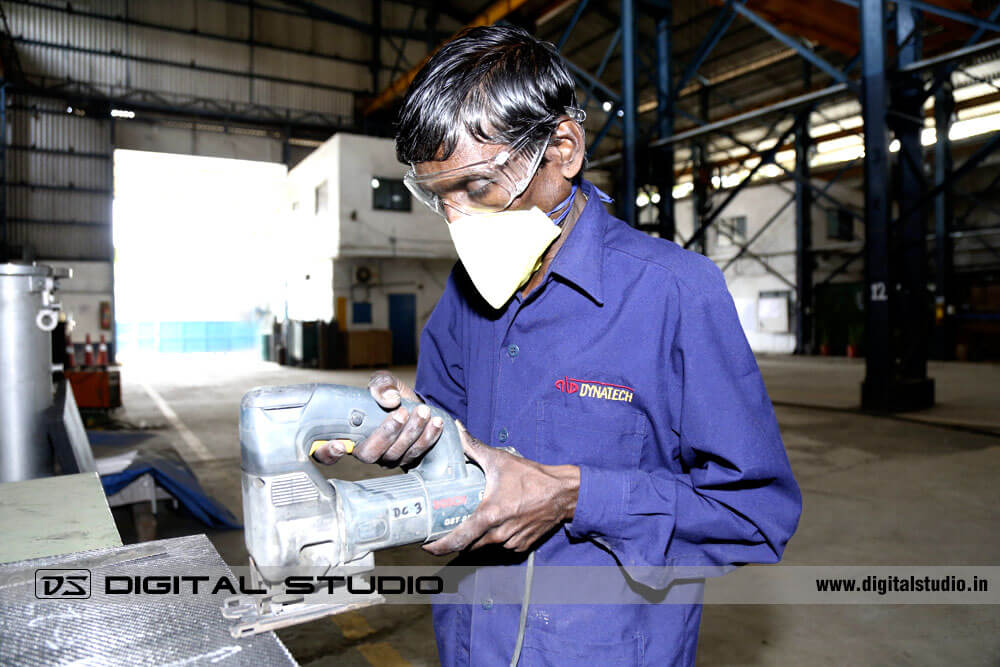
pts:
[611, 361]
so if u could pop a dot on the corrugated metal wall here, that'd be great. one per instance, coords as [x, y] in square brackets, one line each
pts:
[82, 47]
[59, 163]
[59, 181]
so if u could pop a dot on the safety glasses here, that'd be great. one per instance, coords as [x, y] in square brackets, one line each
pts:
[488, 186]
[481, 187]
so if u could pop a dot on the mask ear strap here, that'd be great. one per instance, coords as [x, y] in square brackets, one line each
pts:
[564, 206]
[603, 196]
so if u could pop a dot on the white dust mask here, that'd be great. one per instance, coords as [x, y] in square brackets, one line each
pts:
[501, 250]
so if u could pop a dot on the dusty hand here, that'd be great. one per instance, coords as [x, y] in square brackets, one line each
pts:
[523, 501]
[401, 438]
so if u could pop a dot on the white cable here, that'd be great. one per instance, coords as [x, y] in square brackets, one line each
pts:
[528, 576]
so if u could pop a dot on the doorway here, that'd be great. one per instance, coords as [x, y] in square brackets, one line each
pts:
[196, 252]
[403, 324]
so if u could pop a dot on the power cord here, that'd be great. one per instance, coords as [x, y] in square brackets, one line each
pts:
[528, 576]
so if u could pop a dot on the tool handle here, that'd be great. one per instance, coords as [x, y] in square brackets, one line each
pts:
[279, 424]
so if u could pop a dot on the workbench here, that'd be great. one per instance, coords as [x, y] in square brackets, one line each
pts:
[51, 516]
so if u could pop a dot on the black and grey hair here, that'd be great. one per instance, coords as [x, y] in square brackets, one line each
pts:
[497, 84]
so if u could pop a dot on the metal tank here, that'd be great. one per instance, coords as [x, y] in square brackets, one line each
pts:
[28, 314]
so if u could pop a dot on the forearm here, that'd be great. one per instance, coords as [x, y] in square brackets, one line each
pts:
[659, 518]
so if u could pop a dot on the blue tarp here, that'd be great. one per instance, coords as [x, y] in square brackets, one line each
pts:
[170, 472]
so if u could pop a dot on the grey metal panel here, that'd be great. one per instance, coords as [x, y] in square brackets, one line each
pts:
[178, 81]
[58, 65]
[169, 46]
[213, 17]
[297, 97]
[117, 76]
[58, 130]
[62, 241]
[59, 170]
[39, 204]
[295, 66]
[48, 26]
[283, 30]
[46, 135]
[177, 13]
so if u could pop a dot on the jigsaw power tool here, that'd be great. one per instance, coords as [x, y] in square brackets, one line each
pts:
[297, 520]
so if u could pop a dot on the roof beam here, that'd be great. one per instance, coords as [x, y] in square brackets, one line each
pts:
[498, 10]
[828, 23]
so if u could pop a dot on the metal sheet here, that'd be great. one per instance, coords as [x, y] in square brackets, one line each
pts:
[49, 517]
[68, 434]
[140, 629]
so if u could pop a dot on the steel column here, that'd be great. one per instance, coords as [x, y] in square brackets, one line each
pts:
[375, 65]
[891, 383]
[701, 176]
[3, 171]
[879, 365]
[665, 122]
[906, 120]
[944, 108]
[803, 229]
[629, 106]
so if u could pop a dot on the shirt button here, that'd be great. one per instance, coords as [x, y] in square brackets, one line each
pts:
[488, 604]
[513, 350]
[502, 435]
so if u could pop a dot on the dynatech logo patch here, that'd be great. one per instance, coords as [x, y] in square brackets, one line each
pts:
[595, 389]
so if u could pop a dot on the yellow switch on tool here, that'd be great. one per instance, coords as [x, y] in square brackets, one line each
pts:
[348, 445]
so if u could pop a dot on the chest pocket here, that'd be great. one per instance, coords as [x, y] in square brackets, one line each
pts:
[600, 433]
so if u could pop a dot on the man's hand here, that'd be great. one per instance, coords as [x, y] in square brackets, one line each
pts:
[402, 438]
[523, 501]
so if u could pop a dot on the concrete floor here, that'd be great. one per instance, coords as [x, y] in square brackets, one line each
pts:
[918, 489]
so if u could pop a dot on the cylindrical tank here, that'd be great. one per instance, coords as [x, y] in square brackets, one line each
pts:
[27, 316]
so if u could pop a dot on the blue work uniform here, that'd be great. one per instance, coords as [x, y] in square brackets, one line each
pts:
[628, 361]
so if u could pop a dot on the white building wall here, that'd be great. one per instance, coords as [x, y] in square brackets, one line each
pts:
[406, 252]
[747, 278]
[425, 278]
[376, 233]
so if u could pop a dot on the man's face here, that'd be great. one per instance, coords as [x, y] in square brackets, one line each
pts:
[477, 186]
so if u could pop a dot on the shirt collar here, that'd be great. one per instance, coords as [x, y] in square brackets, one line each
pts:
[580, 260]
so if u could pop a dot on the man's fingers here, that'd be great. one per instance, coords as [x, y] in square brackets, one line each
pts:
[472, 447]
[384, 388]
[382, 438]
[521, 541]
[408, 435]
[460, 537]
[497, 535]
[426, 440]
[330, 453]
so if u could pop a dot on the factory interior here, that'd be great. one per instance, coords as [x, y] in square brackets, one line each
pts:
[203, 197]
